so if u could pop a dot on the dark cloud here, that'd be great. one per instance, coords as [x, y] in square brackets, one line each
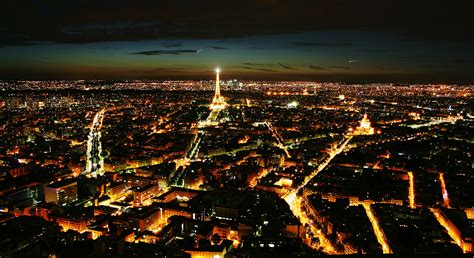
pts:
[18, 42]
[230, 40]
[416, 57]
[264, 48]
[463, 61]
[389, 69]
[321, 44]
[110, 48]
[165, 52]
[173, 45]
[255, 64]
[105, 20]
[258, 48]
[340, 67]
[375, 50]
[315, 67]
[259, 69]
[411, 39]
[217, 47]
[286, 66]
[439, 66]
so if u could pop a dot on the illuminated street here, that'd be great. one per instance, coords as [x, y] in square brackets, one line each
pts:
[324, 243]
[377, 229]
[95, 161]
[444, 191]
[450, 228]
[294, 201]
[411, 189]
[332, 154]
[277, 136]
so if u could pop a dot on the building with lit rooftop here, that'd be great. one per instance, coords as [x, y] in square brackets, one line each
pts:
[61, 192]
[365, 127]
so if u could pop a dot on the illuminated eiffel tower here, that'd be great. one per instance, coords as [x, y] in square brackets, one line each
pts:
[218, 102]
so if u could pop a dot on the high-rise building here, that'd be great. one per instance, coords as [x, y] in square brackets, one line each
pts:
[61, 192]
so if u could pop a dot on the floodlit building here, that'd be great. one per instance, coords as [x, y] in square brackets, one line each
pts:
[61, 192]
[143, 194]
[365, 127]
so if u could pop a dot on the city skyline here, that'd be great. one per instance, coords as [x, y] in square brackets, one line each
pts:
[236, 128]
[277, 168]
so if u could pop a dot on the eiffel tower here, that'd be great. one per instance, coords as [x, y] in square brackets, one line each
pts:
[218, 102]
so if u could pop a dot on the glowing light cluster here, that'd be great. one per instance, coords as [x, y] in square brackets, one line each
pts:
[94, 159]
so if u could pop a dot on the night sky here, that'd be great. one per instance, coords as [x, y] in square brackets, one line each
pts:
[323, 40]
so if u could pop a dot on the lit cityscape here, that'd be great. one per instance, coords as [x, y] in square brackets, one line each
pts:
[179, 130]
[240, 171]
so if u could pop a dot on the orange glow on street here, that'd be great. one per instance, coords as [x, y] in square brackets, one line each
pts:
[295, 206]
[453, 232]
[377, 229]
[444, 191]
[411, 190]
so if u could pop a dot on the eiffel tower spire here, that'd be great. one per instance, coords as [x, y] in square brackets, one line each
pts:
[218, 101]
